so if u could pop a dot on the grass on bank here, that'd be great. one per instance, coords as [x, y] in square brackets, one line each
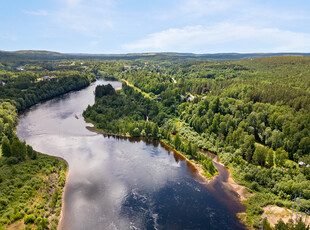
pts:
[31, 193]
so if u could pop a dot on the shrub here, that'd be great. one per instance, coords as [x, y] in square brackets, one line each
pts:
[11, 160]
[266, 225]
[254, 185]
[3, 202]
[29, 219]
[43, 223]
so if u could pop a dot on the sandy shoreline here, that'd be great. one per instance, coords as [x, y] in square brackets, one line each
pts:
[241, 190]
[63, 195]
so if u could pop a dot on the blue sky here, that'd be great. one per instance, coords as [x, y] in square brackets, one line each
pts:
[119, 26]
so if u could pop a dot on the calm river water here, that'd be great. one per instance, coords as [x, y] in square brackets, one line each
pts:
[119, 183]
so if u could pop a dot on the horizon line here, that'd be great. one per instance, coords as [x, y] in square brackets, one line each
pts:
[148, 53]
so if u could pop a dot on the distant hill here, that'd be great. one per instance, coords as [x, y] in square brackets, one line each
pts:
[48, 55]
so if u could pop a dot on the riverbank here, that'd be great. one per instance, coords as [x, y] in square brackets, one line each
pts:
[63, 194]
[241, 190]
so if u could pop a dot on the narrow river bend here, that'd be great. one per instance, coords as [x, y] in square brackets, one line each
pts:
[123, 183]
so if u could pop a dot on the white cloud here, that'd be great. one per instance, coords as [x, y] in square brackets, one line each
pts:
[224, 37]
[36, 13]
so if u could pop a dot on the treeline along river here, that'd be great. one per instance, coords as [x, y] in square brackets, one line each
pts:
[124, 183]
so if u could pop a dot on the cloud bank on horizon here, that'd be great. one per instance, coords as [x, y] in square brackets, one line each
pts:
[118, 26]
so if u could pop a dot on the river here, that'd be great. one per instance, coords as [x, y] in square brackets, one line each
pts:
[123, 183]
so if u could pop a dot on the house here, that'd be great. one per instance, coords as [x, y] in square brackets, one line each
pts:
[20, 68]
[45, 78]
[2, 83]
[190, 98]
[301, 164]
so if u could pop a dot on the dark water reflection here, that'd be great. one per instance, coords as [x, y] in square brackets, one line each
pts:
[121, 183]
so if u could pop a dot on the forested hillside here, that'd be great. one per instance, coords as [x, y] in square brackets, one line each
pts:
[39, 55]
[255, 114]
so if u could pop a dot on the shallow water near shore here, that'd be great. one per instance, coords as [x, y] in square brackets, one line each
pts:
[124, 183]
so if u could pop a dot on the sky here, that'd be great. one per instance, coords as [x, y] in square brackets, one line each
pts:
[136, 26]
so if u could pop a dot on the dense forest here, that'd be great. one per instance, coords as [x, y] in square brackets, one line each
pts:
[253, 113]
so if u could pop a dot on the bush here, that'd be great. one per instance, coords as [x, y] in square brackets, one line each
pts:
[29, 219]
[54, 223]
[266, 225]
[254, 209]
[11, 160]
[17, 216]
[256, 221]
[54, 199]
[43, 223]
[3, 202]
[254, 186]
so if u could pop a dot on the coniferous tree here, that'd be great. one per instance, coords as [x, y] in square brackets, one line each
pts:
[6, 148]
